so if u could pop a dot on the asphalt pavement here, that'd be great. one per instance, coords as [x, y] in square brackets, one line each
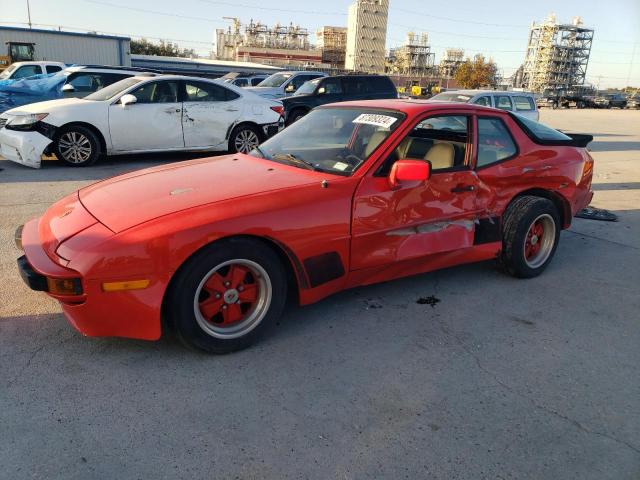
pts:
[460, 374]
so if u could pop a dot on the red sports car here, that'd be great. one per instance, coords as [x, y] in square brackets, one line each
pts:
[352, 194]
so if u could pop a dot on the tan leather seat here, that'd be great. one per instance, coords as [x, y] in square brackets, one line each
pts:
[441, 155]
[376, 139]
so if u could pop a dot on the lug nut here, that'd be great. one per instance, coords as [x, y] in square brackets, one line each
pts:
[240, 288]
[224, 307]
[226, 284]
[218, 295]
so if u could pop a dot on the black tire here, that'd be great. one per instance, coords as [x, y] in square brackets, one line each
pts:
[192, 278]
[521, 218]
[295, 116]
[244, 134]
[85, 141]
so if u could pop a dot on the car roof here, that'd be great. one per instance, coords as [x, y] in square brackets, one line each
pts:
[487, 92]
[414, 106]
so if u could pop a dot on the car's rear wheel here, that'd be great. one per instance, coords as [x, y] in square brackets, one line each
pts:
[226, 295]
[244, 138]
[530, 234]
[76, 146]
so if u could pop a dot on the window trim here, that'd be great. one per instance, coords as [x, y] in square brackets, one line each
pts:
[469, 151]
[513, 139]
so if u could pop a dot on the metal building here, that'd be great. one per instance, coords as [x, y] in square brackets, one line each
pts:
[332, 41]
[286, 46]
[414, 58]
[557, 55]
[367, 36]
[451, 60]
[69, 47]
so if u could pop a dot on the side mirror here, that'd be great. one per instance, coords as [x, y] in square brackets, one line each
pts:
[407, 170]
[128, 99]
[322, 90]
[68, 88]
[290, 88]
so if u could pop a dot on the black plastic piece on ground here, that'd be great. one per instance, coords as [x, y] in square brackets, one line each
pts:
[591, 213]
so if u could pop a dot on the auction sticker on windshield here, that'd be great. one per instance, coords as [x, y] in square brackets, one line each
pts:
[375, 119]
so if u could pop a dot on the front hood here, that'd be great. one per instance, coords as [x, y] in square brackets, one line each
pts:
[47, 107]
[128, 200]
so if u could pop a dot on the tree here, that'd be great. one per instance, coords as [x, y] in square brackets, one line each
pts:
[477, 73]
[162, 49]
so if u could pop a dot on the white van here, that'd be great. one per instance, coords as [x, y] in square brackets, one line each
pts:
[522, 103]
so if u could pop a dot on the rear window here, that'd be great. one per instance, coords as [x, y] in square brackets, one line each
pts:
[524, 104]
[452, 97]
[540, 132]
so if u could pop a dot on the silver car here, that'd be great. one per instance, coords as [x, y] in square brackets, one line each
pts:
[522, 103]
[283, 84]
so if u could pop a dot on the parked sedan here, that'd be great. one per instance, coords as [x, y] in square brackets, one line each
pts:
[140, 114]
[352, 194]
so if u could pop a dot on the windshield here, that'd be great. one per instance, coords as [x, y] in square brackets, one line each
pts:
[452, 97]
[308, 87]
[6, 73]
[107, 93]
[333, 140]
[275, 80]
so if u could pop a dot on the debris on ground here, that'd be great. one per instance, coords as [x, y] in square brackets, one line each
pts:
[592, 213]
[371, 304]
[430, 300]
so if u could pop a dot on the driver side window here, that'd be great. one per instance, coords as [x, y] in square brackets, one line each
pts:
[157, 92]
[441, 140]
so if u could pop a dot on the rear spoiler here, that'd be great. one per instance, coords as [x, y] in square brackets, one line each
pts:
[579, 139]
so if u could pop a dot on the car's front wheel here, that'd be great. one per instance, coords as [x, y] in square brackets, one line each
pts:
[224, 297]
[76, 146]
[243, 139]
[530, 235]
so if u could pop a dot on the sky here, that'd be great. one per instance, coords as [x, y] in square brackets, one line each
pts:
[497, 29]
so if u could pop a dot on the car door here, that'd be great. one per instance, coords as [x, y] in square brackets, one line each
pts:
[355, 88]
[26, 71]
[419, 219]
[329, 90]
[154, 122]
[503, 102]
[525, 106]
[209, 111]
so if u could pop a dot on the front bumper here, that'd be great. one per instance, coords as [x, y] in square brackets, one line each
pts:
[270, 129]
[25, 148]
[94, 312]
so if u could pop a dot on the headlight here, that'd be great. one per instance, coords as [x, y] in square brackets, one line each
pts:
[24, 121]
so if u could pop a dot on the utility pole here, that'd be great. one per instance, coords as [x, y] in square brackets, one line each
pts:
[29, 13]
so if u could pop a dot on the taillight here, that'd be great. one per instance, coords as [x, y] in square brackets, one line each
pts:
[278, 109]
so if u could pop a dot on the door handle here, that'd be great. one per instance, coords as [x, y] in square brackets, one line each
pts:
[231, 109]
[463, 188]
[171, 110]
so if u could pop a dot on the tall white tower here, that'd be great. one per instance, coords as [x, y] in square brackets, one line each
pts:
[367, 35]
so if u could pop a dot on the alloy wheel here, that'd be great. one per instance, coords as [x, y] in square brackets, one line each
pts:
[246, 140]
[75, 147]
[539, 241]
[232, 298]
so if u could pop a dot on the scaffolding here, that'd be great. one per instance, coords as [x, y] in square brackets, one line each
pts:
[333, 43]
[451, 60]
[414, 58]
[557, 55]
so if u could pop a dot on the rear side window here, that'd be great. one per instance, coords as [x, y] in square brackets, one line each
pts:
[256, 81]
[503, 102]
[53, 68]
[241, 82]
[541, 132]
[382, 84]
[524, 104]
[494, 142]
[484, 101]
[355, 86]
[207, 92]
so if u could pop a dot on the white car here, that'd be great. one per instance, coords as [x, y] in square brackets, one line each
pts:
[19, 70]
[522, 103]
[140, 114]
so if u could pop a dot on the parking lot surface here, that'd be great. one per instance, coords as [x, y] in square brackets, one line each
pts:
[460, 374]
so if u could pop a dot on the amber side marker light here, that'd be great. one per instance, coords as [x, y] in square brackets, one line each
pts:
[127, 285]
[64, 286]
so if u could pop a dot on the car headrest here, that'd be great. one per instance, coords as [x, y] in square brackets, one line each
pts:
[376, 139]
[441, 155]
